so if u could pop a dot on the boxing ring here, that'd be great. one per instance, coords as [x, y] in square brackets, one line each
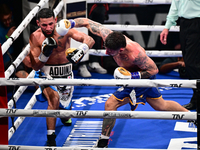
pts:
[27, 111]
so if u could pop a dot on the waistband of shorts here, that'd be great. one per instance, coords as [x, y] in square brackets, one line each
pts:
[58, 64]
[192, 19]
[58, 71]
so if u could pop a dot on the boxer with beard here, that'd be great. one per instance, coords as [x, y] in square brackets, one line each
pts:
[48, 52]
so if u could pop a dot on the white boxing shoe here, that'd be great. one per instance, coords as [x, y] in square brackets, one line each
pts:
[83, 71]
[95, 67]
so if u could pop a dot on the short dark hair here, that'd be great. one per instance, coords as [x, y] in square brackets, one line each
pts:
[115, 40]
[4, 10]
[45, 13]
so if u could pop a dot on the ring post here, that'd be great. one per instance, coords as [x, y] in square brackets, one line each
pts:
[198, 114]
[3, 104]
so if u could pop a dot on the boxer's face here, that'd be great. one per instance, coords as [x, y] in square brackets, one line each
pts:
[112, 52]
[47, 25]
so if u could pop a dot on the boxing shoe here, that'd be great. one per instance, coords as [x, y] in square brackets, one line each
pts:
[83, 71]
[51, 139]
[190, 106]
[193, 102]
[95, 67]
[102, 143]
[66, 122]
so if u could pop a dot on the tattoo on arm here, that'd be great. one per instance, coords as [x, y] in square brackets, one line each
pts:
[94, 28]
[105, 32]
[143, 62]
[79, 22]
[108, 125]
[99, 29]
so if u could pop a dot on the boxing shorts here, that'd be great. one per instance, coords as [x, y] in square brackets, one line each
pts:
[137, 94]
[57, 71]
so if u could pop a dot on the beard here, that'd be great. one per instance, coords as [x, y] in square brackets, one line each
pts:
[48, 35]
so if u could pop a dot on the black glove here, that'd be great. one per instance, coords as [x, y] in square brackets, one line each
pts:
[47, 48]
[74, 55]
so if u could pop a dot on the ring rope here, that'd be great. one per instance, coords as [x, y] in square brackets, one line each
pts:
[58, 8]
[19, 120]
[26, 21]
[15, 147]
[119, 27]
[152, 53]
[19, 91]
[24, 53]
[102, 82]
[17, 61]
[22, 59]
[22, 26]
[144, 2]
[171, 115]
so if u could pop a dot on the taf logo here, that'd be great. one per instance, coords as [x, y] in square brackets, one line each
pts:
[11, 111]
[14, 147]
[177, 116]
[81, 113]
[176, 85]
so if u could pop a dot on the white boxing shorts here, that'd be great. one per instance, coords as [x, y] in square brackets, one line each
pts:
[58, 71]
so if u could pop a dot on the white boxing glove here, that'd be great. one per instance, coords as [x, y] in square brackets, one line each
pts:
[122, 73]
[64, 25]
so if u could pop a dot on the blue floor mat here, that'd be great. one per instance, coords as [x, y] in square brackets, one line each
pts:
[127, 133]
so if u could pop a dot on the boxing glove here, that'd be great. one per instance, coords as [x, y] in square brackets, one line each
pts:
[74, 55]
[122, 73]
[47, 48]
[64, 25]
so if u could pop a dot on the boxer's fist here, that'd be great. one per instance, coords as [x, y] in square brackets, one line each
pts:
[47, 48]
[74, 55]
[122, 73]
[64, 25]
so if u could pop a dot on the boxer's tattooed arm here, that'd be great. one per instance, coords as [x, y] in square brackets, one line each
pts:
[108, 125]
[94, 27]
[105, 32]
[147, 65]
[99, 29]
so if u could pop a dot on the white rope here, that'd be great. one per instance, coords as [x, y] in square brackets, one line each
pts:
[26, 21]
[20, 58]
[19, 120]
[58, 8]
[169, 115]
[24, 53]
[142, 2]
[22, 26]
[21, 147]
[152, 53]
[119, 27]
[19, 91]
[101, 82]
[17, 61]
